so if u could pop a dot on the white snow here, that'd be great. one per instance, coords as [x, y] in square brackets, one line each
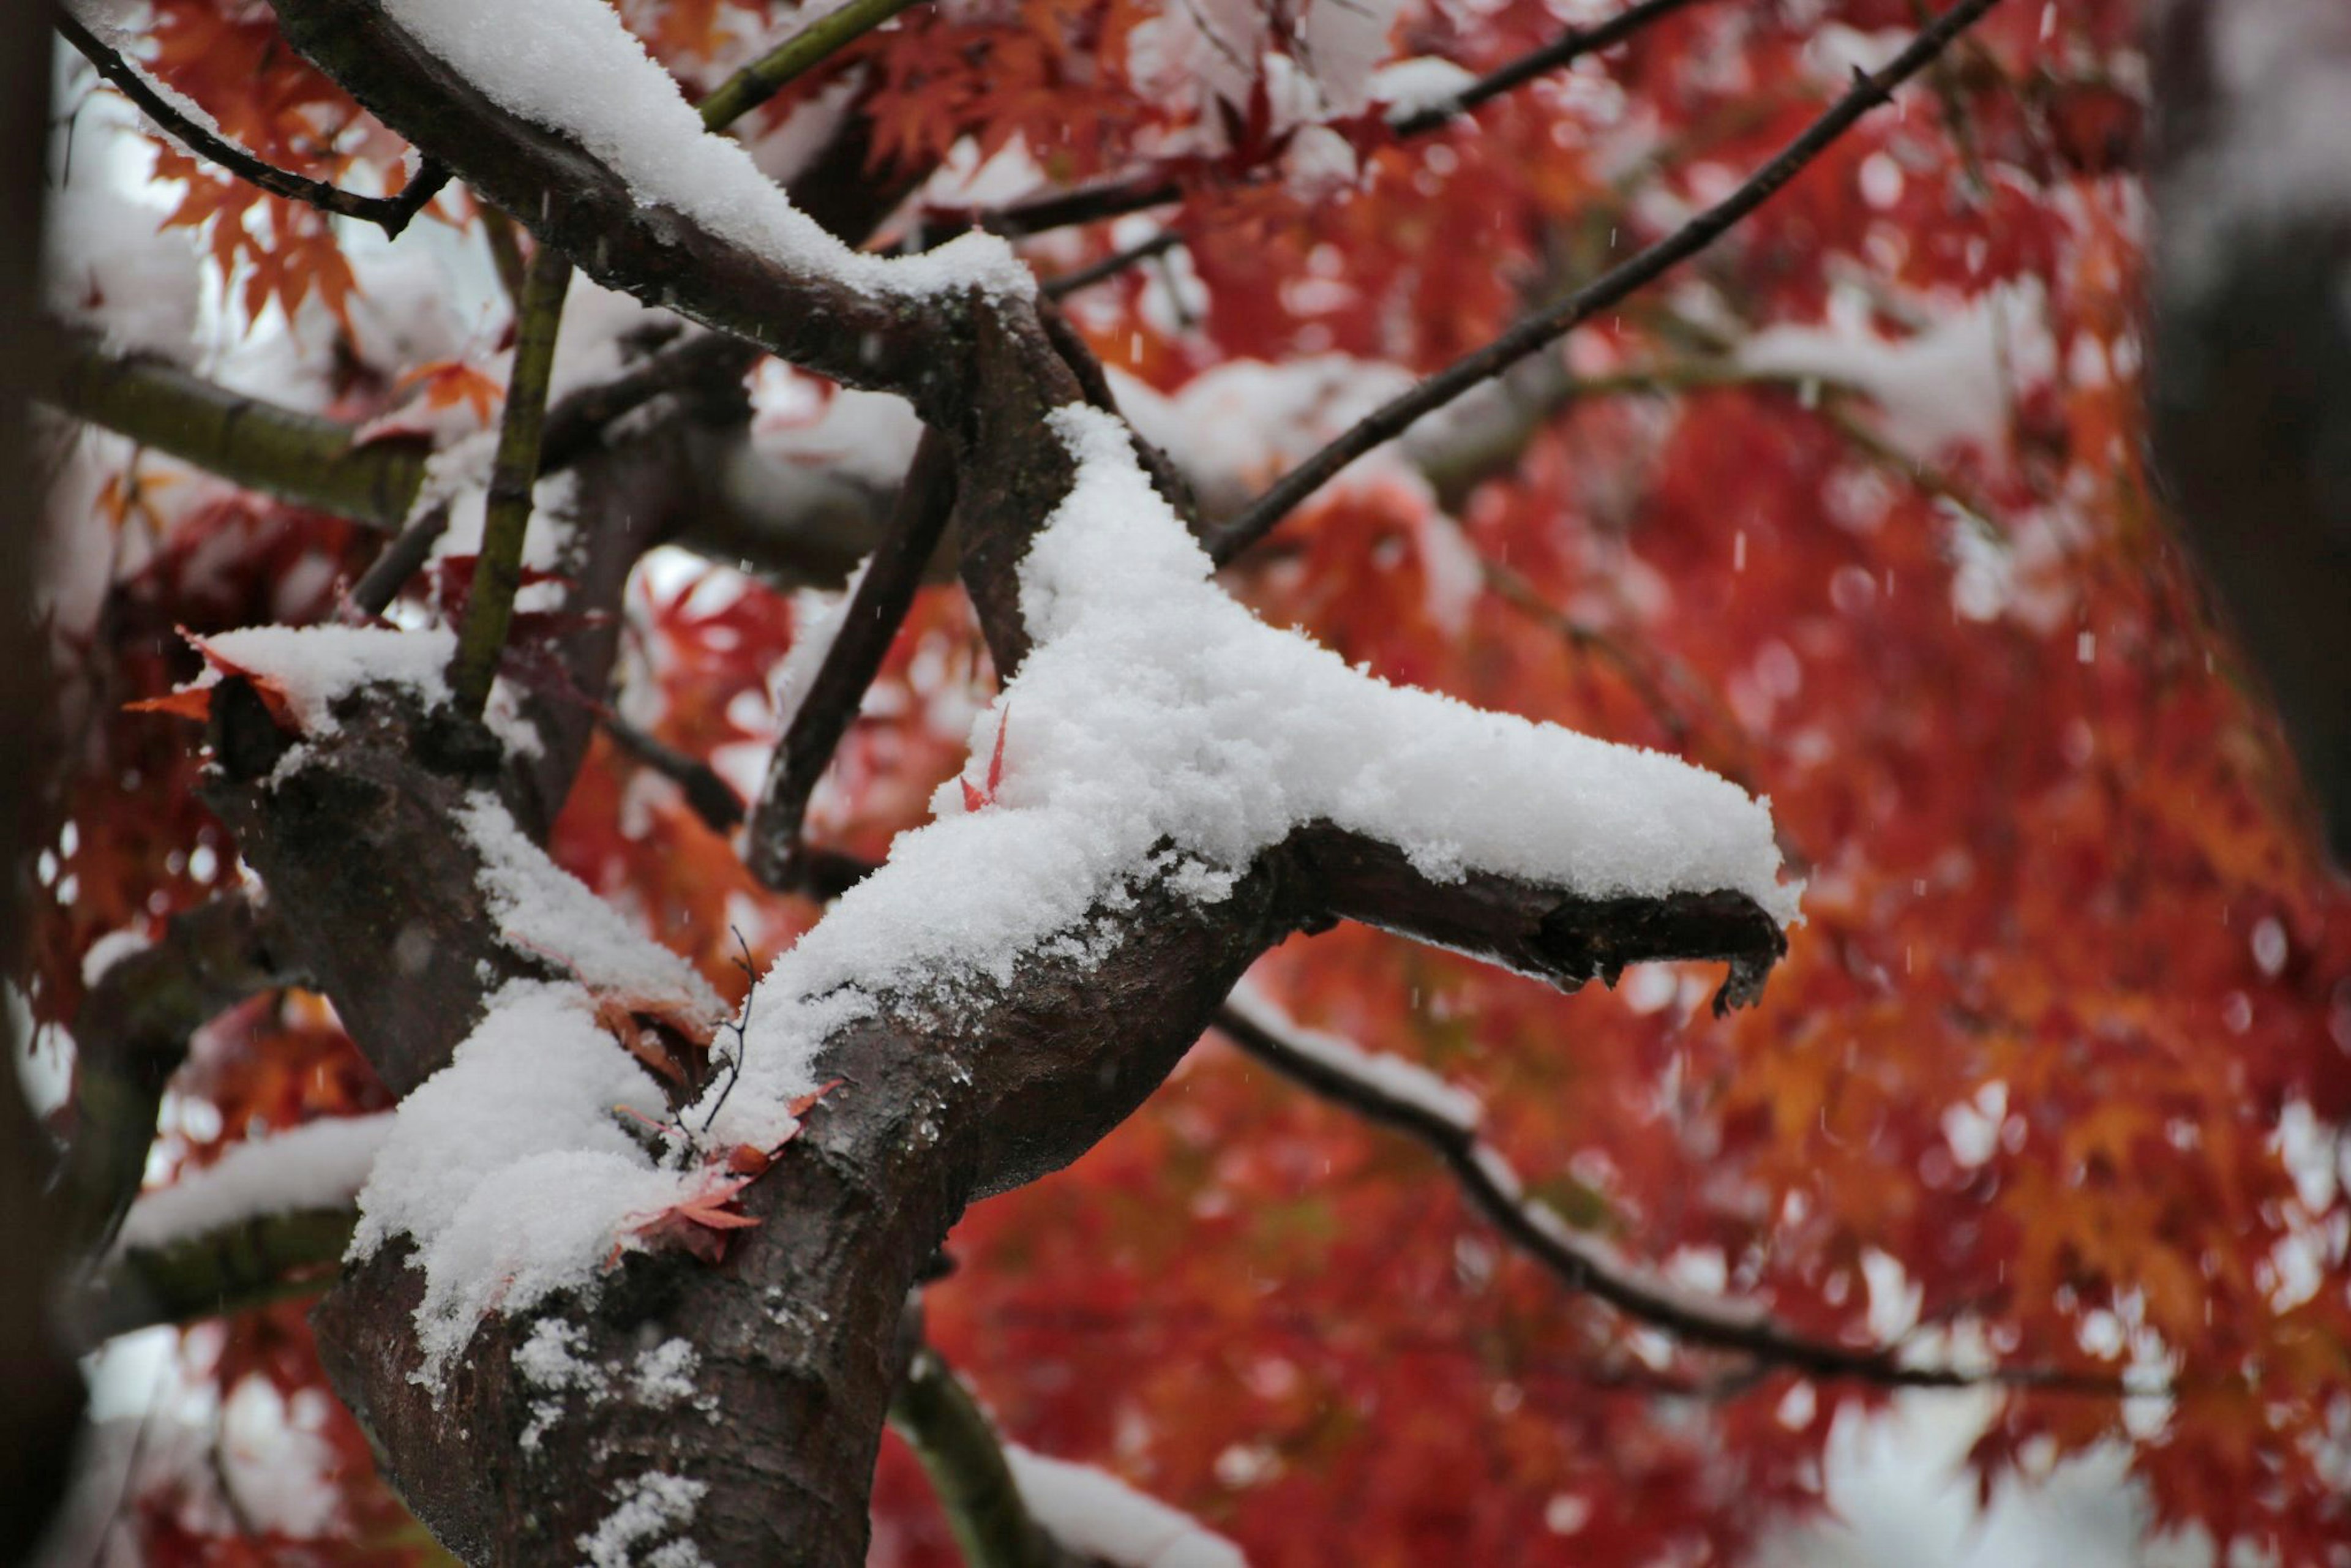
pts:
[108, 264]
[653, 1506]
[1423, 82]
[1391, 1076]
[319, 1165]
[510, 1168]
[111, 949]
[546, 911]
[574, 67]
[1095, 1514]
[1158, 731]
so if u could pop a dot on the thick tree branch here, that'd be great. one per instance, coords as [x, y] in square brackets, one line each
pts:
[497, 569]
[868, 623]
[390, 213]
[248, 441]
[1869, 91]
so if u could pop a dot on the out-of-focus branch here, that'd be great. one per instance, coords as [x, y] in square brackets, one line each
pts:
[962, 1454]
[1869, 91]
[1117, 197]
[248, 441]
[390, 213]
[760, 81]
[131, 1033]
[249, 1263]
[868, 623]
[712, 798]
[1445, 1121]
[497, 569]
[1568, 47]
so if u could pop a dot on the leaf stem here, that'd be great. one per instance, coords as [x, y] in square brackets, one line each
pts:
[497, 571]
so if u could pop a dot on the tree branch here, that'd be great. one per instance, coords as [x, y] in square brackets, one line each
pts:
[962, 1454]
[1565, 49]
[249, 1263]
[390, 213]
[1436, 1117]
[131, 1033]
[497, 569]
[868, 623]
[1531, 332]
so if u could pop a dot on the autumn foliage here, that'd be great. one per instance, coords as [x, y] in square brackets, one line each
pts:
[2060, 1050]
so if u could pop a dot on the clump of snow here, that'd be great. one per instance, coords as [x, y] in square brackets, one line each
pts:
[1417, 84]
[544, 910]
[1097, 1515]
[651, 1507]
[574, 67]
[316, 666]
[664, 1375]
[108, 264]
[1391, 1076]
[509, 1169]
[317, 1165]
[1157, 710]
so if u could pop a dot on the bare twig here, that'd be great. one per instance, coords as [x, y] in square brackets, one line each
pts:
[1581, 1262]
[1111, 266]
[868, 623]
[497, 571]
[401, 558]
[1533, 332]
[1569, 47]
[390, 213]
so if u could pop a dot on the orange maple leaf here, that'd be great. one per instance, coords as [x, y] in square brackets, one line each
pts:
[448, 382]
[195, 701]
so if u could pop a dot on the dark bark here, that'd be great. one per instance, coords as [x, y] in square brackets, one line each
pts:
[797, 1331]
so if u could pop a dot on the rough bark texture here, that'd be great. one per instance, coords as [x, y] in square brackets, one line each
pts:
[796, 1333]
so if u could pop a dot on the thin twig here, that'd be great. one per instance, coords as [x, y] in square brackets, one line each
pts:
[1111, 266]
[760, 81]
[869, 622]
[1492, 1188]
[1546, 326]
[712, 798]
[1569, 47]
[497, 571]
[401, 558]
[390, 213]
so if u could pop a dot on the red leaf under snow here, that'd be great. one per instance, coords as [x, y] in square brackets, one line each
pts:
[975, 797]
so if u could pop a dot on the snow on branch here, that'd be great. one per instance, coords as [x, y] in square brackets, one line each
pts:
[573, 66]
[320, 1165]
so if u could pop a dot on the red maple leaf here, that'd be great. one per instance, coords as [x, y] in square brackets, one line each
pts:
[195, 701]
[974, 798]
